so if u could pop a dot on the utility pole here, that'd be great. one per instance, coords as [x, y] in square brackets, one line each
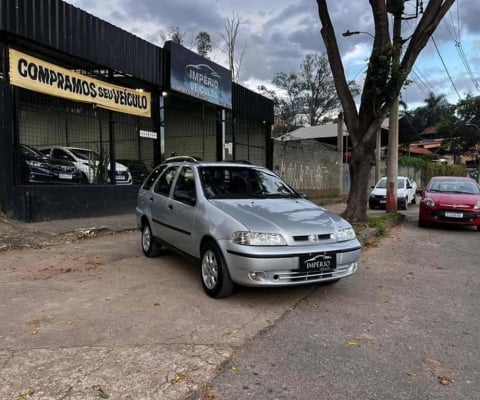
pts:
[396, 8]
[340, 152]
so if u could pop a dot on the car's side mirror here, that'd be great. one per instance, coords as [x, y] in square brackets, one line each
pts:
[303, 195]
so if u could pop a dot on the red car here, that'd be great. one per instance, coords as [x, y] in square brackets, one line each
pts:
[450, 200]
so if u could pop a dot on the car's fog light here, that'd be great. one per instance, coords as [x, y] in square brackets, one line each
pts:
[257, 276]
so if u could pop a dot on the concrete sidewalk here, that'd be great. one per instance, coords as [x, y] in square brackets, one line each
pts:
[15, 234]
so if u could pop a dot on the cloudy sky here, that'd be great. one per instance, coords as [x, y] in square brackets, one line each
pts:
[276, 35]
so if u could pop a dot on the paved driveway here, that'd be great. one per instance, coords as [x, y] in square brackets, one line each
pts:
[96, 317]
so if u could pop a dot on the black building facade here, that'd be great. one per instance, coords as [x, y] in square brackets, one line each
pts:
[87, 109]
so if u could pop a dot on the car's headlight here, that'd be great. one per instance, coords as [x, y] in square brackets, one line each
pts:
[428, 202]
[477, 205]
[345, 234]
[258, 239]
[33, 163]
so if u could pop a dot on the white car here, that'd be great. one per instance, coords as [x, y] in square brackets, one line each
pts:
[86, 162]
[406, 193]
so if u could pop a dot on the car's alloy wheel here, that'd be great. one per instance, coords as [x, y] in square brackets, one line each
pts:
[216, 280]
[149, 246]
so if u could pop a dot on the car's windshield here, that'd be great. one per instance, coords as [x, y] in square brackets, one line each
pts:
[454, 186]
[233, 182]
[85, 154]
[382, 183]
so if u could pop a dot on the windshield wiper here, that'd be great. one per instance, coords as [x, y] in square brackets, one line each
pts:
[281, 195]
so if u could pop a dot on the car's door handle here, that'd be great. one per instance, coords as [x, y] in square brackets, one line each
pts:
[170, 207]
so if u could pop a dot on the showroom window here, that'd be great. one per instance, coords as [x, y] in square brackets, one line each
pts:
[73, 134]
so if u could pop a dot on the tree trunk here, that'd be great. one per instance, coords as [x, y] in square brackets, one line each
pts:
[360, 166]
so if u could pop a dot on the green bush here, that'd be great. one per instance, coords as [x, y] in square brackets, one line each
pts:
[436, 169]
[428, 168]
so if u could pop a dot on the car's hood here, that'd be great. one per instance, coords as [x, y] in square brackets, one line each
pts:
[383, 192]
[118, 167]
[453, 199]
[296, 216]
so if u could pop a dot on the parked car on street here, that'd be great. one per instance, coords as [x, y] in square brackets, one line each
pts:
[137, 168]
[88, 162]
[37, 168]
[406, 193]
[450, 200]
[244, 225]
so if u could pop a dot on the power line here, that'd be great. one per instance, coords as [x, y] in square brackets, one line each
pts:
[445, 67]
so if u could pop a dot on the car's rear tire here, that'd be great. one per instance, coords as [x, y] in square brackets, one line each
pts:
[404, 204]
[216, 279]
[149, 246]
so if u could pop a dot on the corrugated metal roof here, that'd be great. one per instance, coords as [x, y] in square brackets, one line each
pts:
[58, 25]
[313, 132]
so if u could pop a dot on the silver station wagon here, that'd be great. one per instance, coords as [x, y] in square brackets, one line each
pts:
[244, 225]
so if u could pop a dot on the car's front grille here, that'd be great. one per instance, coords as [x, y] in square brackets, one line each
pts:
[63, 168]
[312, 238]
[295, 276]
[467, 216]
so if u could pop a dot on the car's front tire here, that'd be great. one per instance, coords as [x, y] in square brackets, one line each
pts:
[216, 279]
[422, 223]
[149, 246]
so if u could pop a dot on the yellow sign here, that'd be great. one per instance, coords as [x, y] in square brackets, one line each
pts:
[35, 74]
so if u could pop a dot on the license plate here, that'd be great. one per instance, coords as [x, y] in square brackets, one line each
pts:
[65, 176]
[320, 262]
[383, 201]
[451, 214]
[120, 177]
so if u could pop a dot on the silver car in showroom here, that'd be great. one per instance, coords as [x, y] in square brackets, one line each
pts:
[244, 225]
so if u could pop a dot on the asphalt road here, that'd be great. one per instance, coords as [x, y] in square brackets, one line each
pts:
[405, 327]
[95, 318]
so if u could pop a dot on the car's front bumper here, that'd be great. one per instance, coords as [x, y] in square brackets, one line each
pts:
[449, 216]
[279, 266]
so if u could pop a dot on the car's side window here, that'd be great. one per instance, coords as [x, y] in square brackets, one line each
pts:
[185, 187]
[165, 181]
[60, 155]
[153, 177]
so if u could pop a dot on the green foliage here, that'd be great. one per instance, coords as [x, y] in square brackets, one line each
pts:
[99, 167]
[382, 222]
[204, 44]
[412, 162]
[437, 169]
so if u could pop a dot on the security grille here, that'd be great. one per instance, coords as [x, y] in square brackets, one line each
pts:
[44, 122]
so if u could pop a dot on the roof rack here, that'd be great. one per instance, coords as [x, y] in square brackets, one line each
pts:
[182, 158]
